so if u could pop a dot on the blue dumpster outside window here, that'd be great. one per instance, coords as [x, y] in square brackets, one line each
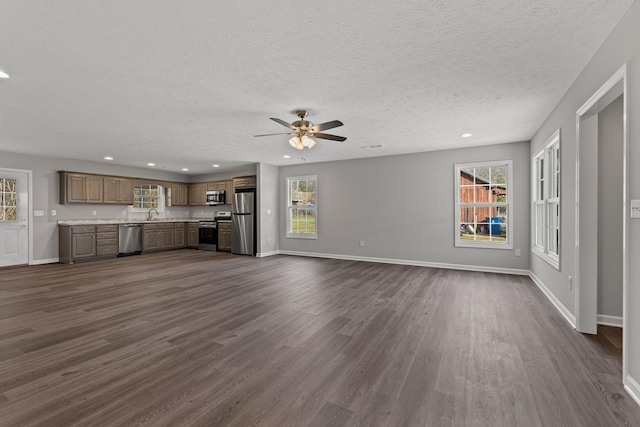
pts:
[495, 225]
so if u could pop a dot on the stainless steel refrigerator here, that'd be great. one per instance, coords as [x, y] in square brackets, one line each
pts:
[243, 221]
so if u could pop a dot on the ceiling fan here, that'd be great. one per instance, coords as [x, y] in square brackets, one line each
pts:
[303, 131]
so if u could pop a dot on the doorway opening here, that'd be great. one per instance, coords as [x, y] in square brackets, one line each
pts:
[15, 217]
[602, 211]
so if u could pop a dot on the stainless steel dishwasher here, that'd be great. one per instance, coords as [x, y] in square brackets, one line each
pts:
[129, 239]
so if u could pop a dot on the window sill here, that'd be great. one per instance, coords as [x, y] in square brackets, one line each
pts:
[298, 236]
[483, 245]
[553, 261]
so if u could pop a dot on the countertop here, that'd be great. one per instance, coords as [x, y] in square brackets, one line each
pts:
[125, 221]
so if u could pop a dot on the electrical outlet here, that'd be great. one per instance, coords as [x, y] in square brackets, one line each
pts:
[38, 213]
[53, 212]
[94, 213]
[362, 243]
[517, 252]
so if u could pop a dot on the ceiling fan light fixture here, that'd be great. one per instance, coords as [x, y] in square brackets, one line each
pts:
[294, 142]
[311, 143]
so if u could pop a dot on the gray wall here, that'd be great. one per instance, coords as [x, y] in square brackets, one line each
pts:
[268, 203]
[620, 47]
[402, 207]
[610, 209]
[46, 196]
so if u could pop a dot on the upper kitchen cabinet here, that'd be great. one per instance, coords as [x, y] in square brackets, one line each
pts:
[242, 182]
[179, 194]
[118, 191]
[226, 186]
[80, 188]
[198, 194]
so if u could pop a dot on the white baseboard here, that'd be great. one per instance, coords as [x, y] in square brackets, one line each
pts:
[411, 262]
[606, 320]
[633, 388]
[266, 254]
[555, 301]
[44, 261]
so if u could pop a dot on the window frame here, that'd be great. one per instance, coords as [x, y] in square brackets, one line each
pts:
[508, 204]
[290, 207]
[160, 197]
[546, 210]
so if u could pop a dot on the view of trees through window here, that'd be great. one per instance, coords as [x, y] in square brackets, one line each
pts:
[302, 206]
[8, 199]
[147, 196]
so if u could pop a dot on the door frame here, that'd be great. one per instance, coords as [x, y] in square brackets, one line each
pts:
[586, 283]
[29, 174]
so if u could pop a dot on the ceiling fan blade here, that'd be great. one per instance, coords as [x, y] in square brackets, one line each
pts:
[283, 123]
[327, 136]
[325, 126]
[271, 134]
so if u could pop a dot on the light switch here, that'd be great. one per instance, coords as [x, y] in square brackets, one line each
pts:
[38, 213]
[635, 209]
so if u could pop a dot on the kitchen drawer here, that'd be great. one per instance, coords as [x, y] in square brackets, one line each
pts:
[107, 228]
[108, 235]
[193, 225]
[107, 250]
[179, 225]
[107, 242]
[75, 229]
[160, 226]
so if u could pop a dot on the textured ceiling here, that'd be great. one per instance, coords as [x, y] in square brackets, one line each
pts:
[188, 83]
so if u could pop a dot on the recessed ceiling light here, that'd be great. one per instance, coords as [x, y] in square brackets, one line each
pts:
[466, 135]
[185, 169]
[216, 166]
[3, 75]
[108, 158]
[151, 164]
[286, 156]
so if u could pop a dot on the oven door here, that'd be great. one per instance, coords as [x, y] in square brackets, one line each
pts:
[208, 240]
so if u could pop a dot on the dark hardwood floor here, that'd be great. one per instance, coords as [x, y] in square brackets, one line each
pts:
[201, 338]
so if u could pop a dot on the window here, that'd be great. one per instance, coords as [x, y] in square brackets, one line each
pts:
[302, 207]
[483, 205]
[148, 196]
[545, 216]
[8, 199]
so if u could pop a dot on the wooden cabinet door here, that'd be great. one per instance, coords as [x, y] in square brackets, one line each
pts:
[179, 238]
[179, 194]
[168, 239]
[118, 191]
[93, 189]
[83, 246]
[151, 240]
[224, 236]
[198, 194]
[193, 237]
[125, 191]
[75, 184]
[111, 190]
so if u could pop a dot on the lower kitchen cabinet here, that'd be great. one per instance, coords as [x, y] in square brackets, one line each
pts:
[224, 236]
[179, 235]
[158, 237]
[193, 235]
[87, 242]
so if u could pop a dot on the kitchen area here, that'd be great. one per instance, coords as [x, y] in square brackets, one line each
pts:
[223, 217]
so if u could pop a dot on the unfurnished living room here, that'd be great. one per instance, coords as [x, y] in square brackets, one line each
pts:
[325, 214]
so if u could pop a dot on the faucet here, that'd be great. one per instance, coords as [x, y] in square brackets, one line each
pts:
[149, 216]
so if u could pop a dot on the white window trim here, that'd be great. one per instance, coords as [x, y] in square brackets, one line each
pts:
[542, 251]
[289, 207]
[509, 204]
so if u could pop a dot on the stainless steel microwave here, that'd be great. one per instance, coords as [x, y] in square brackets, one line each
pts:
[215, 198]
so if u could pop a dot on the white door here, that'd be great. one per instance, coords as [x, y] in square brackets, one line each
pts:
[14, 217]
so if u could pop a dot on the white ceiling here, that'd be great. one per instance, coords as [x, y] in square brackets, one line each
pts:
[188, 83]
